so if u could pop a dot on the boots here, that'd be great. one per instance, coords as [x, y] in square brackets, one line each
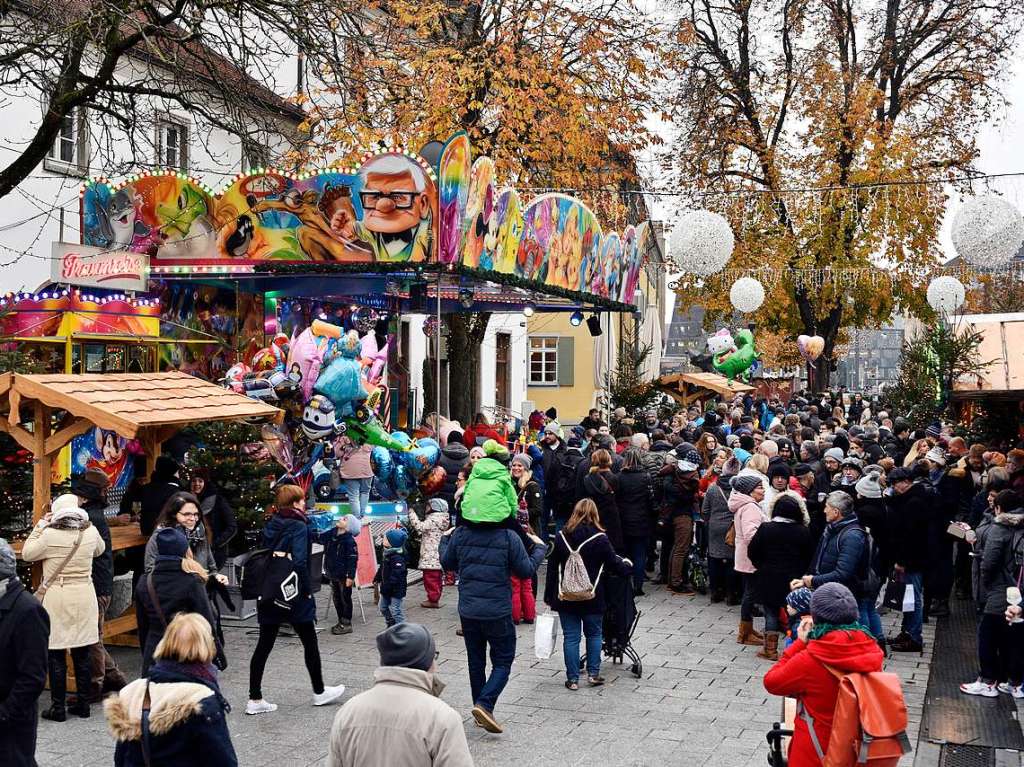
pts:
[430, 604]
[747, 635]
[717, 595]
[770, 651]
[55, 713]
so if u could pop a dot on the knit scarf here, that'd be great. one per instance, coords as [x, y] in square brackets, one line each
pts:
[206, 672]
[293, 513]
[820, 629]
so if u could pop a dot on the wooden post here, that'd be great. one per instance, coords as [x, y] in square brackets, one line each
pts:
[41, 462]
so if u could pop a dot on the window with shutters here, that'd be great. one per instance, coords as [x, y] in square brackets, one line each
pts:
[543, 361]
[171, 144]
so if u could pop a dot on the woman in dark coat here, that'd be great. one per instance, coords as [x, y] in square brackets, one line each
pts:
[176, 584]
[601, 486]
[584, 533]
[636, 512]
[780, 550]
[218, 516]
[288, 534]
[714, 510]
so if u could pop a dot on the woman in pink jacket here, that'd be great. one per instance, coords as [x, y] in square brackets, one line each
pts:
[356, 473]
[745, 505]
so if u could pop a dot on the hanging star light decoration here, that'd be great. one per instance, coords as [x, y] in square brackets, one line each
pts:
[701, 243]
[746, 294]
[946, 294]
[988, 231]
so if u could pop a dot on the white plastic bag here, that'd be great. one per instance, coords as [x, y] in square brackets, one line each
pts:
[545, 635]
[908, 599]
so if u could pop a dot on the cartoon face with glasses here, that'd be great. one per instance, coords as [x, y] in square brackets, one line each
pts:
[396, 211]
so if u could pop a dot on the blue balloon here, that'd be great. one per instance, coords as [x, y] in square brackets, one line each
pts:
[422, 458]
[403, 482]
[383, 464]
[385, 491]
[402, 438]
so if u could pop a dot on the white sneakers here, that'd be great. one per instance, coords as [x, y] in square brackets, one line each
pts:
[1017, 691]
[260, 706]
[329, 695]
[978, 687]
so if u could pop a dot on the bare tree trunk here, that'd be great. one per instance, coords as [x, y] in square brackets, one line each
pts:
[465, 334]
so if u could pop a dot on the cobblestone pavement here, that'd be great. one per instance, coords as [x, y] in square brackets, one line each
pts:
[700, 701]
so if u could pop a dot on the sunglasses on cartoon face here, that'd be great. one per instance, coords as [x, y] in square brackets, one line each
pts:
[400, 199]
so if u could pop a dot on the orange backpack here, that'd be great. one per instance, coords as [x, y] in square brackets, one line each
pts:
[869, 724]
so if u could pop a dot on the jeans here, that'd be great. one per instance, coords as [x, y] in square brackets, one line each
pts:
[1000, 652]
[342, 596]
[573, 626]
[772, 622]
[636, 550]
[747, 603]
[391, 609]
[358, 493]
[500, 634]
[869, 617]
[914, 622]
[681, 542]
[433, 585]
[268, 636]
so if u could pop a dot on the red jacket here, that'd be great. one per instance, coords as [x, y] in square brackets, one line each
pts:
[800, 674]
[470, 435]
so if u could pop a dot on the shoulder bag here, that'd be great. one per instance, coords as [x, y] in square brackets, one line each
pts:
[45, 585]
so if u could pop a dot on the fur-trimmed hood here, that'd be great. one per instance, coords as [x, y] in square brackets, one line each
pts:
[171, 704]
[796, 497]
[1013, 518]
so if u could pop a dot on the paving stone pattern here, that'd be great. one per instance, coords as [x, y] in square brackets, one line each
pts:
[700, 701]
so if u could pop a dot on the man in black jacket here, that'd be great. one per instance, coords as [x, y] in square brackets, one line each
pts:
[24, 637]
[909, 512]
[554, 452]
[163, 483]
[91, 489]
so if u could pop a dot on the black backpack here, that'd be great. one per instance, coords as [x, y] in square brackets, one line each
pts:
[261, 572]
[567, 465]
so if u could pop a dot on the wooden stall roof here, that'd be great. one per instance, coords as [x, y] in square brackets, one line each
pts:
[1002, 341]
[129, 403]
[712, 382]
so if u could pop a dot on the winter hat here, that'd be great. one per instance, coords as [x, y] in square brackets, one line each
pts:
[731, 467]
[900, 474]
[551, 413]
[165, 468]
[936, 455]
[438, 504]
[689, 461]
[787, 507]
[834, 603]
[66, 506]
[396, 537]
[171, 542]
[779, 469]
[354, 525]
[745, 483]
[408, 645]
[835, 453]
[8, 562]
[853, 461]
[494, 449]
[574, 442]
[934, 430]
[801, 469]
[523, 460]
[732, 440]
[90, 485]
[553, 428]
[454, 437]
[800, 600]
[868, 486]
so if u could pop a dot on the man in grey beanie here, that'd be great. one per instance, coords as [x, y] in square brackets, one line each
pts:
[401, 721]
[24, 637]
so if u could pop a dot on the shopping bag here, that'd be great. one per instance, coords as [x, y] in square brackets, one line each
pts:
[908, 599]
[545, 635]
[894, 591]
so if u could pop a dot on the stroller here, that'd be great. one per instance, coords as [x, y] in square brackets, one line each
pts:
[621, 618]
[697, 564]
[779, 736]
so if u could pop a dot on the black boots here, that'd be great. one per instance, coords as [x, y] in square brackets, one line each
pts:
[58, 671]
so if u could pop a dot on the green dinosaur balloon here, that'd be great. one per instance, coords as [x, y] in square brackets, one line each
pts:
[737, 363]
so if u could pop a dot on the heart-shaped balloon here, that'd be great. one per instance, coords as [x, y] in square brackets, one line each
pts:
[382, 463]
[279, 444]
[811, 347]
[432, 482]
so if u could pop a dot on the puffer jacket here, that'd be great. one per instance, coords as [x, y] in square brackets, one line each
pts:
[177, 592]
[597, 554]
[602, 487]
[392, 575]
[341, 554]
[714, 510]
[636, 503]
[430, 529]
[981, 532]
[841, 555]
[454, 456]
[909, 520]
[485, 555]
[800, 673]
[187, 722]
[747, 516]
[1003, 559]
[489, 495]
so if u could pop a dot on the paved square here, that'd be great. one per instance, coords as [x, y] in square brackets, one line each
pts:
[700, 701]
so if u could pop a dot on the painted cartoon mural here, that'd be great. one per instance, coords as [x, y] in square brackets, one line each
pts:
[384, 211]
[106, 451]
[453, 180]
[68, 312]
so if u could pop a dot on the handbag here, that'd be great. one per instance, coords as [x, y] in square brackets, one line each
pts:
[894, 591]
[45, 585]
[730, 535]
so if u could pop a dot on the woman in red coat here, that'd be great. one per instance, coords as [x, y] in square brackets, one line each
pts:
[830, 636]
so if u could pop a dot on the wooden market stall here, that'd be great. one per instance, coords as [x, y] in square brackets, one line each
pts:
[45, 412]
[693, 388]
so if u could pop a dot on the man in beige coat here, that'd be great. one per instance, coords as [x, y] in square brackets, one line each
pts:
[400, 721]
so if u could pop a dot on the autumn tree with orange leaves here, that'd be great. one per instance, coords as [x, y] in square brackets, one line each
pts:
[554, 91]
[857, 96]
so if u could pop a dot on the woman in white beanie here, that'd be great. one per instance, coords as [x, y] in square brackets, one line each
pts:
[65, 542]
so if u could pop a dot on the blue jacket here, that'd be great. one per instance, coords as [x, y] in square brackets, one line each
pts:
[840, 557]
[393, 574]
[341, 554]
[486, 556]
[296, 538]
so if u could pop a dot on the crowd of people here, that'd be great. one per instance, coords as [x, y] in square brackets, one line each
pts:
[811, 516]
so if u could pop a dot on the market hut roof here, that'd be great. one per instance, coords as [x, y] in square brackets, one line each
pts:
[130, 403]
[687, 388]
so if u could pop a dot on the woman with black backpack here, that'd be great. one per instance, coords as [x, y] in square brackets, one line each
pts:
[579, 598]
[288, 598]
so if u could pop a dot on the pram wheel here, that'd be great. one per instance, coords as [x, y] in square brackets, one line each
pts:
[636, 670]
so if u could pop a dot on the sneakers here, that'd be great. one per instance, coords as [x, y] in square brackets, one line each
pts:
[341, 628]
[260, 706]
[978, 687]
[485, 719]
[329, 695]
[1017, 691]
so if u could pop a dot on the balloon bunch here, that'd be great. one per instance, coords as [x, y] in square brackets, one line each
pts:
[401, 473]
[733, 356]
[267, 379]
